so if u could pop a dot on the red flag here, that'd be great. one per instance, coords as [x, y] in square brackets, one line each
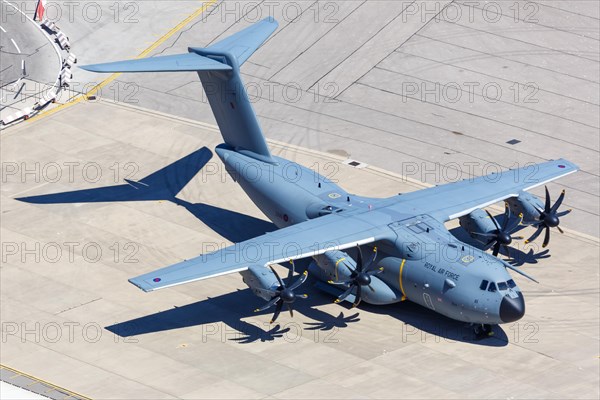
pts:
[41, 7]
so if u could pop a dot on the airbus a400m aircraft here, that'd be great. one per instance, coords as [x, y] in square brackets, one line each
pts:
[376, 250]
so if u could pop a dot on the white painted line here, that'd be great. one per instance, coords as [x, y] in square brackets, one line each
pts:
[3, 30]
[15, 44]
[47, 37]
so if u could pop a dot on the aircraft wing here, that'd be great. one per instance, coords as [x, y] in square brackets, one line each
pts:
[453, 200]
[306, 239]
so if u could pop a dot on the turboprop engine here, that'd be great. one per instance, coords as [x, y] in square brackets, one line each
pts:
[526, 204]
[266, 284]
[484, 228]
[355, 278]
[542, 215]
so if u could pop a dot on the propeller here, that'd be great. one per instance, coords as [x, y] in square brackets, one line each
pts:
[284, 294]
[501, 237]
[359, 277]
[549, 218]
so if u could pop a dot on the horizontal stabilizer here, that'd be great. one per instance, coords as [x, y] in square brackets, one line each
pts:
[174, 63]
[244, 43]
[218, 69]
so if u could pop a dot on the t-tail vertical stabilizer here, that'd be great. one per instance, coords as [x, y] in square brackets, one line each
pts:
[218, 67]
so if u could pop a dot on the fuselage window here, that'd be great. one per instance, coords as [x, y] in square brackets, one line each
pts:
[511, 283]
[492, 287]
[502, 286]
[483, 285]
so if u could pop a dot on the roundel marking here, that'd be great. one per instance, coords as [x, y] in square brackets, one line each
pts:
[468, 259]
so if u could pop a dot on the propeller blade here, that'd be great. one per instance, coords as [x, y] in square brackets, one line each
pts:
[515, 224]
[268, 305]
[507, 215]
[358, 296]
[289, 307]
[342, 296]
[558, 202]
[291, 272]
[371, 260]
[560, 230]
[507, 249]
[359, 260]
[518, 237]
[301, 296]
[547, 202]
[541, 212]
[277, 276]
[546, 237]
[300, 280]
[493, 220]
[371, 287]
[563, 213]
[496, 249]
[535, 234]
[277, 312]
[352, 271]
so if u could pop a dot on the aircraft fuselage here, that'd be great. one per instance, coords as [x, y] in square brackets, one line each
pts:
[425, 264]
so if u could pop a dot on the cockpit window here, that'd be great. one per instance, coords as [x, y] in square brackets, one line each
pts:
[502, 286]
[511, 283]
[483, 285]
[492, 287]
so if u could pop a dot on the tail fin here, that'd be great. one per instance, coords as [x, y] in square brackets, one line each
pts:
[218, 69]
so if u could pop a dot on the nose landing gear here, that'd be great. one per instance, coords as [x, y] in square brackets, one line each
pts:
[483, 330]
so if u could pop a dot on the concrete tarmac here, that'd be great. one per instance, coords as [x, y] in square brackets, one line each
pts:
[429, 91]
[70, 317]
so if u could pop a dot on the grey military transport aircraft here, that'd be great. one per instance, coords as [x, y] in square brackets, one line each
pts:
[402, 250]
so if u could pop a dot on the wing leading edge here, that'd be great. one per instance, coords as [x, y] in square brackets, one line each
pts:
[453, 200]
[306, 239]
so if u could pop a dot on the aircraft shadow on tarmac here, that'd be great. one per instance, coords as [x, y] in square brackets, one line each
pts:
[230, 309]
[164, 184]
[222, 318]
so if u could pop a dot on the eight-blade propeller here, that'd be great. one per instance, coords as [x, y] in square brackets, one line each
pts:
[284, 294]
[502, 235]
[359, 277]
[549, 218]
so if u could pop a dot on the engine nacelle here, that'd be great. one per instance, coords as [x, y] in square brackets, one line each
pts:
[526, 204]
[331, 266]
[477, 221]
[259, 279]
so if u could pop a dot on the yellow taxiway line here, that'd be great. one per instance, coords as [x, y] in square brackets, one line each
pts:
[45, 383]
[143, 54]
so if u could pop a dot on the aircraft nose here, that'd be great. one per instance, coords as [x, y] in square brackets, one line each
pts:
[512, 310]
